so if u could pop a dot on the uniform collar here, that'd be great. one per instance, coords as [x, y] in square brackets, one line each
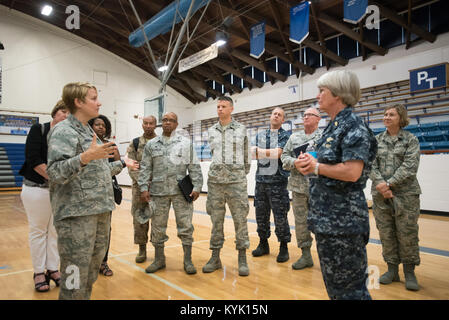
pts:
[280, 130]
[401, 135]
[78, 124]
[233, 124]
[173, 139]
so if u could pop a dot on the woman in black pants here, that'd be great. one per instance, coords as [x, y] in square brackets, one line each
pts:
[102, 128]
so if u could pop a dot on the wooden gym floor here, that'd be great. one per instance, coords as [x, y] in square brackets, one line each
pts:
[268, 279]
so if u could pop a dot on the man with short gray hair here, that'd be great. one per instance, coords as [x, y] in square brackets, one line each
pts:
[299, 184]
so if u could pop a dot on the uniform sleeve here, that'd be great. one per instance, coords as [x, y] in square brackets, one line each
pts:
[132, 154]
[355, 145]
[146, 169]
[288, 161]
[375, 175]
[195, 172]
[63, 155]
[33, 147]
[247, 155]
[116, 167]
[409, 166]
[283, 140]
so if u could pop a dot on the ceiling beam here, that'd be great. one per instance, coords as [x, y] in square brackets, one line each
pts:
[277, 19]
[239, 54]
[339, 26]
[224, 65]
[393, 16]
[307, 42]
[320, 35]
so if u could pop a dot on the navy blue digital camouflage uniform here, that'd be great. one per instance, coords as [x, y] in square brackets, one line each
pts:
[338, 212]
[271, 187]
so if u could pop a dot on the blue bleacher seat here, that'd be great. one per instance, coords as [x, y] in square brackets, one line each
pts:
[427, 127]
[426, 145]
[413, 128]
[421, 136]
[436, 135]
[376, 131]
[443, 125]
[441, 145]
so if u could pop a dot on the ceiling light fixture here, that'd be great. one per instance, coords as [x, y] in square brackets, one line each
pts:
[221, 38]
[46, 10]
[160, 66]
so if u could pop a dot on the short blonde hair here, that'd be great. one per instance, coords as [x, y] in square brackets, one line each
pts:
[75, 90]
[402, 112]
[343, 84]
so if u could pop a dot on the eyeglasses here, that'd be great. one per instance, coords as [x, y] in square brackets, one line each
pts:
[169, 120]
[309, 115]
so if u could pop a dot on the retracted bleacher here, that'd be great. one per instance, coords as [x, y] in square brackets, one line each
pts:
[12, 157]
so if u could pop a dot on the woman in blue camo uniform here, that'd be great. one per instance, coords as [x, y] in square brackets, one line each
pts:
[396, 191]
[338, 212]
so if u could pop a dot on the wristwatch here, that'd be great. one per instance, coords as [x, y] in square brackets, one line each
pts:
[316, 168]
[123, 163]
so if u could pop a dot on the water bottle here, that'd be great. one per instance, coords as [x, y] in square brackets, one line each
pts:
[312, 151]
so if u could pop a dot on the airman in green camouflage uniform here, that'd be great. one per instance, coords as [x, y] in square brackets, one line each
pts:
[299, 185]
[140, 229]
[80, 191]
[227, 184]
[166, 160]
[395, 190]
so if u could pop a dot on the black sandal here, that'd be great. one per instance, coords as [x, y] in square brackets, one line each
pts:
[48, 276]
[39, 285]
[104, 270]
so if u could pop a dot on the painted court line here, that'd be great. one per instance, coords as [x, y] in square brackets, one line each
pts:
[437, 252]
[168, 283]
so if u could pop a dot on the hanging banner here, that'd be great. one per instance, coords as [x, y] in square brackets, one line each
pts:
[198, 58]
[299, 22]
[257, 40]
[354, 10]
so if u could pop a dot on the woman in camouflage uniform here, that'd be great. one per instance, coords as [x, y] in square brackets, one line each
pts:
[81, 191]
[396, 191]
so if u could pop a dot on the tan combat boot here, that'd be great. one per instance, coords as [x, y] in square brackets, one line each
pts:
[214, 262]
[159, 260]
[142, 255]
[243, 266]
[189, 268]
